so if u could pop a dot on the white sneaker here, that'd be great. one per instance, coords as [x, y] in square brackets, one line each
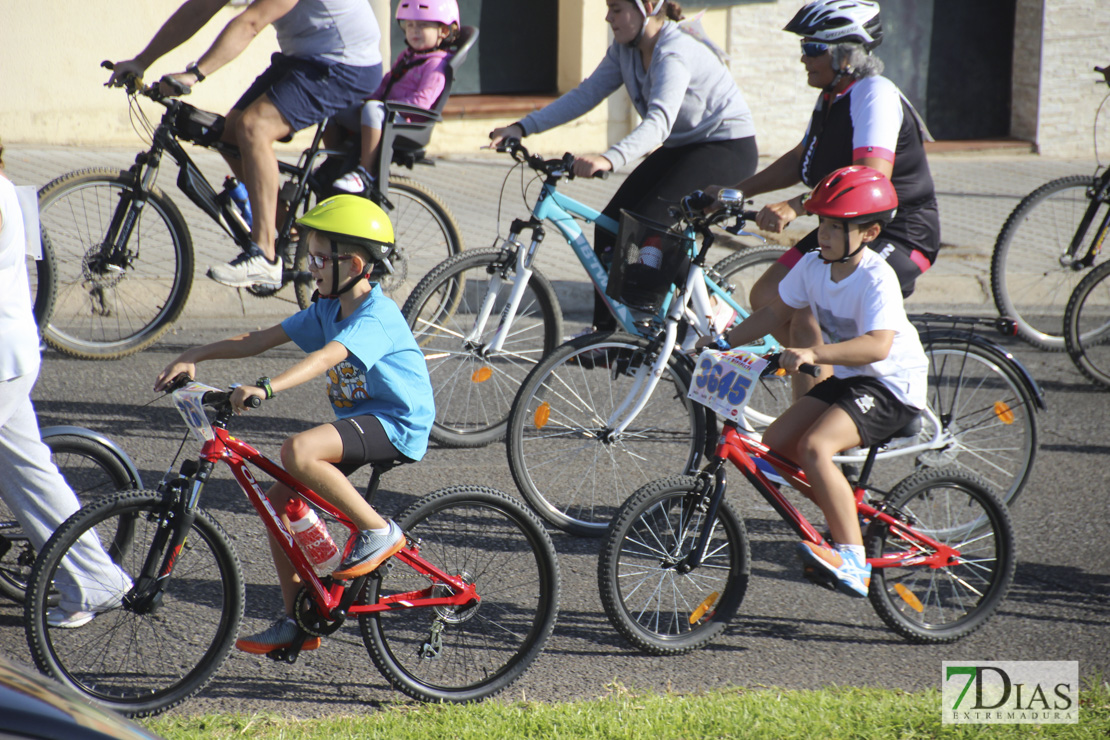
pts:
[249, 268]
[358, 182]
[58, 617]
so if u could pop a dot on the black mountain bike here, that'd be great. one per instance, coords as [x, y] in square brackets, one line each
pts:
[118, 257]
[1047, 244]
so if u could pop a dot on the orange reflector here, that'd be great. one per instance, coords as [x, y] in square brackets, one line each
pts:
[481, 375]
[704, 606]
[780, 372]
[543, 413]
[908, 597]
[1003, 411]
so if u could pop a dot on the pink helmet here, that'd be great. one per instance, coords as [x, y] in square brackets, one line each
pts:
[441, 11]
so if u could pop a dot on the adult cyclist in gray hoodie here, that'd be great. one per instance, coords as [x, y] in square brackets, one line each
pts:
[695, 124]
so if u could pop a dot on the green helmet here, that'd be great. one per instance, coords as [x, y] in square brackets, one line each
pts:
[355, 220]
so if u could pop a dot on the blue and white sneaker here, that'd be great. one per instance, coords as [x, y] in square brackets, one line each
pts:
[367, 550]
[849, 573]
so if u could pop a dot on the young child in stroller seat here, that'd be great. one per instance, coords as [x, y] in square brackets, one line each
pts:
[417, 78]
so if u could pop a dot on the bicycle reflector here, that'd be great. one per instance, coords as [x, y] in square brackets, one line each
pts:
[703, 607]
[543, 413]
[1003, 411]
[909, 598]
[481, 375]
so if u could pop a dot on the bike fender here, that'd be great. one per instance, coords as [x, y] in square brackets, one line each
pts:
[108, 442]
[1004, 356]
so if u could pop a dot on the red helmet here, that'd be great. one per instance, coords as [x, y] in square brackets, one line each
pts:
[854, 194]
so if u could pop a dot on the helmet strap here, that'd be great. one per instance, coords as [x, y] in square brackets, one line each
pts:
[338, 290]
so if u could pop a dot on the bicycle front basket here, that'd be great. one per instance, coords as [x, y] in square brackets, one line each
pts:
[198, 126]
[647, 261]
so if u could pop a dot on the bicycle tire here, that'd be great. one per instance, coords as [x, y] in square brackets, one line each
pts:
[91, 469]
[474, 391]
[479, 650]
[41, 277]
[941, 605]
[983, 403]
[105, 312]
[1087, 326]
[647, 600]
[773, 394]
[425, 233]
[1026, 260]
[562, 457]
[135, 663]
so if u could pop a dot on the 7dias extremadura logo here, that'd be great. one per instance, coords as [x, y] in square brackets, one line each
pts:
[1010, 692]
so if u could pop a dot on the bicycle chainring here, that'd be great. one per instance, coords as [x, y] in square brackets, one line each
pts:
[309, 620]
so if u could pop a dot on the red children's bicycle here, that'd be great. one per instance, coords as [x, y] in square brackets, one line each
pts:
[676, 563]
[457, 615]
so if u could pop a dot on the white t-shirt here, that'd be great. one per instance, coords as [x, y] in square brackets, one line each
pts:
[870, 299]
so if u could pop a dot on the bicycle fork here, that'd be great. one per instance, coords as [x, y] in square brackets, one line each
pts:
[523, 273]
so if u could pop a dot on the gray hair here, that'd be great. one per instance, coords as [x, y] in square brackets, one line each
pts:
[855, 60]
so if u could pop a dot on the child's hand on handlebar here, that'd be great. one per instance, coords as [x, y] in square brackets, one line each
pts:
[174, 370]
[512, 131]
[240, 397]
[791, 360]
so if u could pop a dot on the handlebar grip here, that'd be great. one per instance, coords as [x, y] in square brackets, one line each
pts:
[602, 174]
[813, 370]
[253, 402]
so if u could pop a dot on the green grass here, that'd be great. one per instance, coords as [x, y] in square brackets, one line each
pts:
[839, 713]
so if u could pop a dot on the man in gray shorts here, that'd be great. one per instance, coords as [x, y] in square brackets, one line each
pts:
[329, 59]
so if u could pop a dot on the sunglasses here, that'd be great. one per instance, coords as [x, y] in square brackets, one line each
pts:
[317, 261]
[814, 48]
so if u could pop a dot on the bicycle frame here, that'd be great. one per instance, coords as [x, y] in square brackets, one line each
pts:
[333, 601]
[742, 450]
[1098, 195]
[561, 210]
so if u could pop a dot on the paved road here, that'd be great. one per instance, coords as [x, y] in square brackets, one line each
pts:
[789, 633]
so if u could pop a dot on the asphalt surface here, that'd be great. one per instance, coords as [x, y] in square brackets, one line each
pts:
[788, 634]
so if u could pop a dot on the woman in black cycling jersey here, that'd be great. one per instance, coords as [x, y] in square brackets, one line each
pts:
[860, 118]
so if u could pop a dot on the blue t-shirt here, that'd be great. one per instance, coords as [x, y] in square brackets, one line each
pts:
[385, 373]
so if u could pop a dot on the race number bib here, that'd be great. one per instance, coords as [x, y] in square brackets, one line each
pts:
[190, 404]
[723, 381]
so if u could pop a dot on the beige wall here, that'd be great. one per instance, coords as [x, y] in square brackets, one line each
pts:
[53, 93]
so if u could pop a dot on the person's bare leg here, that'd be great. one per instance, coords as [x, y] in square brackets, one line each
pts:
[833, 431]
[288, 580]
[310, 457]
[371, 145]
[259, 127]
[765, 290]
[806, 332]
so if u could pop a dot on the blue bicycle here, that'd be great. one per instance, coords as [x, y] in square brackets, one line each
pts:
[485, 318]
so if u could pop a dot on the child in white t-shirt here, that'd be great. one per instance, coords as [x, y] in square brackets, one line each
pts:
[879, 368]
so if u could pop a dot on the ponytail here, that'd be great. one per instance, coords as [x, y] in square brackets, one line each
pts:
[673, 11]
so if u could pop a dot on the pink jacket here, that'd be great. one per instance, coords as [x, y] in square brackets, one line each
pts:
[417, 78]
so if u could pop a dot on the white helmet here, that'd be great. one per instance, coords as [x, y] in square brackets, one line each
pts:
[658, 6]
[839, 21]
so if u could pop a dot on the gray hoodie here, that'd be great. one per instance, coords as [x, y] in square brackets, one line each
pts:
[686, 96]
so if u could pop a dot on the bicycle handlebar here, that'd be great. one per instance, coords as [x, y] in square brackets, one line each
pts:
[1105, 72]
[561, 167]
[132, 85]
[773, 366]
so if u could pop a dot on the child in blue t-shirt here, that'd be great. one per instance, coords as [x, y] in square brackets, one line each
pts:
[377, 382]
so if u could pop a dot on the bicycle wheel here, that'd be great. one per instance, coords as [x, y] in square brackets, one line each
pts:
[144, 657]
[1087, 325]
[463, 654]
[110, 306]
[565, 459]
[988, 411]
[938, 605]
[474, 388]
[40, 277]
[90, 469]
[425, 233]
[646, 596]
[738, 273]
[1032, 271]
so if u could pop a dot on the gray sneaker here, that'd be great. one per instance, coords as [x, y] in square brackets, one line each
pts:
[369, 550]
[249, 268]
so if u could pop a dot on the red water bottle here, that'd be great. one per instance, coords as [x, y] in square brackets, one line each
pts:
[312, 537]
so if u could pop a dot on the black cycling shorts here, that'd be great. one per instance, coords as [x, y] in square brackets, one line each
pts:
[365, 441]
[874, 408]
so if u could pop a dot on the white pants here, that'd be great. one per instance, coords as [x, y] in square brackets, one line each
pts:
[41, 500]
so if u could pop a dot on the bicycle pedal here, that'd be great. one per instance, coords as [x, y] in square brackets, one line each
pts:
[284, 655]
